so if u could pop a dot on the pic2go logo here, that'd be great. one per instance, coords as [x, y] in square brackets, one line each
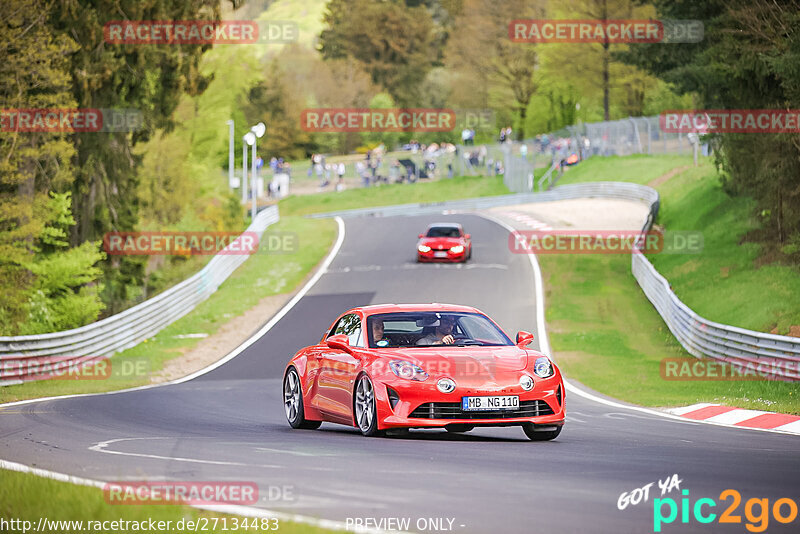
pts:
[783, 510]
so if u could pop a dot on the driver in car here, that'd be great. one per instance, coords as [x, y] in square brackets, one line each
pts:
[442, 335]
[377, 331]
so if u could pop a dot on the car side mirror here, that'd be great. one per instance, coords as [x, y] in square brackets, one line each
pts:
[467, 236]
[421, 235]
[339, 342]
[524, 338]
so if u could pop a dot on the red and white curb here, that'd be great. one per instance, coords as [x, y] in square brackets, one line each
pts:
[527, 220]
[728, 415]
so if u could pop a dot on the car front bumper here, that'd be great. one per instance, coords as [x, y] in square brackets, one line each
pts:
[450, 258]
[422, 405]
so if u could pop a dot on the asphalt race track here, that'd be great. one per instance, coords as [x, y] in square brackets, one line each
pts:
[229, 424]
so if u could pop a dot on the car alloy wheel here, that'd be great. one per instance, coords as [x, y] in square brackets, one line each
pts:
[366, 418]
[291, 395]
[293, 402]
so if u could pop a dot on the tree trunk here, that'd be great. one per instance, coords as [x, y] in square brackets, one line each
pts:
[523, 114]
[780, 218]
[606, 61]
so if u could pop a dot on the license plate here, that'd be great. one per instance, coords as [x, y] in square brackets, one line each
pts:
[440, 254]
[503, 402]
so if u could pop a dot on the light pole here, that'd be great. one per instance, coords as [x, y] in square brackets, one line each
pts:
[244, 167]
[230, 154]
[255, 133]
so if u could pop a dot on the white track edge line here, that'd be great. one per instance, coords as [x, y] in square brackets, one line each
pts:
[241, 510]
[232, 509]
[235, 352]
[544, 345]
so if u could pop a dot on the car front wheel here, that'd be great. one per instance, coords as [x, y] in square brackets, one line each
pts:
[364, 403]
[541, 433]
[293, 402]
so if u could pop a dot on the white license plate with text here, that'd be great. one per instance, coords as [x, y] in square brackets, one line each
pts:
[500, 402]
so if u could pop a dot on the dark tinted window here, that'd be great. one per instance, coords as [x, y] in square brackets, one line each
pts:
[444, 231]
[405, 329]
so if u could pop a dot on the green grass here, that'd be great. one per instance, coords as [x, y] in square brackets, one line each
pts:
[724, 283]
[29, 497]
[389, 195]
[607, 335]
[263, 274]
[639, 169]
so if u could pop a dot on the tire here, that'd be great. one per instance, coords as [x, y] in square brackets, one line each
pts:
[459, 429]
[540, 435]
[293, 402]
[364, 411]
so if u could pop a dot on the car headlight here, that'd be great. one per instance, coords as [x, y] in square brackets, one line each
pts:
[526, 382]
[424, 248]
[408, 370]
[458, 249]
[543, 368]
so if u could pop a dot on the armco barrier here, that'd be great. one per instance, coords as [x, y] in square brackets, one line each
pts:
[778, 355]
[22, 357]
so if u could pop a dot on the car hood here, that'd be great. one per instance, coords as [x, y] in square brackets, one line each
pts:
[459, 363]
[443, 242]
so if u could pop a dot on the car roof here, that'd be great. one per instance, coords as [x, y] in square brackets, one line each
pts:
[445, 225]
[435, 306]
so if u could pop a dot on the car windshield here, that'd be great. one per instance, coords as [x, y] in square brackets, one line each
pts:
[443, 231]
[417, 329]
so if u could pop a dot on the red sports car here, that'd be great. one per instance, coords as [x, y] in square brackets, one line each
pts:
[444, 242]
[394, 367]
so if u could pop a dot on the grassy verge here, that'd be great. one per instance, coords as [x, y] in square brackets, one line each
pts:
[22, 498]
[263, 274]
[607, 335]
[388, 195]
[638, 168]
[728, 282]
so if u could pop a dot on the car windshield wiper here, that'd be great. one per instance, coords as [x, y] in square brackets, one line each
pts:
[465, 342]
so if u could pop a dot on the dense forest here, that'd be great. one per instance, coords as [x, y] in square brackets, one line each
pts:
[60, 192]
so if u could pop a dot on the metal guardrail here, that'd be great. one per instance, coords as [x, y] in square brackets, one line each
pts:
[25, 357]
[780, 355]
[625, 191]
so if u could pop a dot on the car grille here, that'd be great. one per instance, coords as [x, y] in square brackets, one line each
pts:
[452, 410]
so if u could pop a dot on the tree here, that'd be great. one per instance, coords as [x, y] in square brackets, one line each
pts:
[747, 60]
[42, 281]
[148, 78]
[394, 43]
[491, 71]
[272, 102]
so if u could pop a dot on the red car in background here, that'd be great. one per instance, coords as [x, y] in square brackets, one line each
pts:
[445, 242]
[395, 367]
